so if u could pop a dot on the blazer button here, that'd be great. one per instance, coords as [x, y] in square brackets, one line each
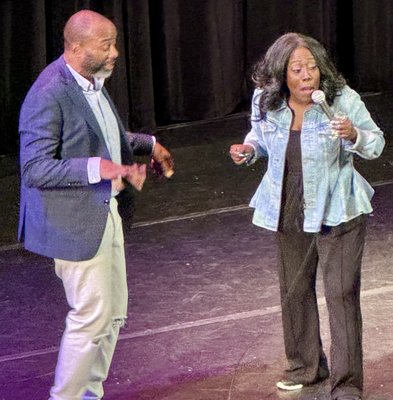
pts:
[106, 201]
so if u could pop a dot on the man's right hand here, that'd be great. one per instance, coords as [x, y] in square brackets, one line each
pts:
[135, 174]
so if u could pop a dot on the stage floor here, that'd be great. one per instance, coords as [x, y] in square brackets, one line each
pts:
[204, 316]
[204, 313]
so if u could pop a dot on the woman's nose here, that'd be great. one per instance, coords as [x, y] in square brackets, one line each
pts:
[305, 74]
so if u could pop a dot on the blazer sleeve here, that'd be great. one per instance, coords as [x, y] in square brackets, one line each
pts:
[141, 144]
[40, 128]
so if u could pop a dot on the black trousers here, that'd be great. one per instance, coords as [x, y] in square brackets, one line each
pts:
[338, 252]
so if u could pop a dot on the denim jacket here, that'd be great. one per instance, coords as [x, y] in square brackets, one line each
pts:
[334, 192]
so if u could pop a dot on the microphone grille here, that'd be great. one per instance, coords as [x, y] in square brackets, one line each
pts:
[318, 96]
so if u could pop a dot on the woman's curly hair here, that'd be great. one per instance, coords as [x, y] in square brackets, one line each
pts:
[269, 74]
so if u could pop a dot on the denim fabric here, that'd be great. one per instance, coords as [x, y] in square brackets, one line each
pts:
[334, 192]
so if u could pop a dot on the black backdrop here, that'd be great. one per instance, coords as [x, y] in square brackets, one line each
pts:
[187, 60]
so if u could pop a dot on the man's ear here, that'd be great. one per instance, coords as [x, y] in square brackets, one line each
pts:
[76, 48]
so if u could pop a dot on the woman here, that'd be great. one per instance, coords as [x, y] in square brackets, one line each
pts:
[317, 203]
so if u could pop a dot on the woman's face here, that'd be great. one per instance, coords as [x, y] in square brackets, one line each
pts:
[303, 76]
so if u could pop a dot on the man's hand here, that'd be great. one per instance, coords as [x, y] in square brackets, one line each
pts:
[162, 161]
[135, 174]
[109, 170]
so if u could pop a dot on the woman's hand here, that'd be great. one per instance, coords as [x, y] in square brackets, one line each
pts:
[240, 153]
[344, 128]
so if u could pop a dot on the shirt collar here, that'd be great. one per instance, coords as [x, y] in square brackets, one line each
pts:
[84, 83]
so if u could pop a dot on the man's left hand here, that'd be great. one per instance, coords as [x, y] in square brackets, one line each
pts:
[162, 161]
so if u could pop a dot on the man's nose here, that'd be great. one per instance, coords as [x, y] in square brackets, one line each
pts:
[114, 52]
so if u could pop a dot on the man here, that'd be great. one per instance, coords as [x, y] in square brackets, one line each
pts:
[75, 159]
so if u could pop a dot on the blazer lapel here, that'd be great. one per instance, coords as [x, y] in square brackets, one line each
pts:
[76, 95]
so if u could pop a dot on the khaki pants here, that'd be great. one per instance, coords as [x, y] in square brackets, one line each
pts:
[97, 294]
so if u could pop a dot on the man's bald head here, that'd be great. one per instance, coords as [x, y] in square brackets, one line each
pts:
[83, 25]
[90, 44]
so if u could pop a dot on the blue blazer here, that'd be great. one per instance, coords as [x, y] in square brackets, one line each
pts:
[61, 214]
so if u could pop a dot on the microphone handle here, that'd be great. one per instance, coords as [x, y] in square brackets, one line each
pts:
[326, 109]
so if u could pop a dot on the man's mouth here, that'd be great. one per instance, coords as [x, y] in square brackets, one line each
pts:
[110, 64]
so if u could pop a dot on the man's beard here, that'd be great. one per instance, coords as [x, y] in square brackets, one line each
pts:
[98, 70]
[103, 73]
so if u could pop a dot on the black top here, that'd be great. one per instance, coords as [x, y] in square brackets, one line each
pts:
[292, 202]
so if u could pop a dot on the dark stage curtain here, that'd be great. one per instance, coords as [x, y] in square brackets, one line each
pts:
[198, 57]
[317, 18]
[22, 56]
[373, 44]
[187, 60]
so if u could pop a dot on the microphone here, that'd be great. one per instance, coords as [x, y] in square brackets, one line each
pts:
[318, 97]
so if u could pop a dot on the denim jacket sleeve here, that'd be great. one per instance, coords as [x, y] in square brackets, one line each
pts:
[255, 135]
[370, 142]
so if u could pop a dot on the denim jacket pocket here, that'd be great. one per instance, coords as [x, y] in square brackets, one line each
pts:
[269, 126]
[329, 143]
